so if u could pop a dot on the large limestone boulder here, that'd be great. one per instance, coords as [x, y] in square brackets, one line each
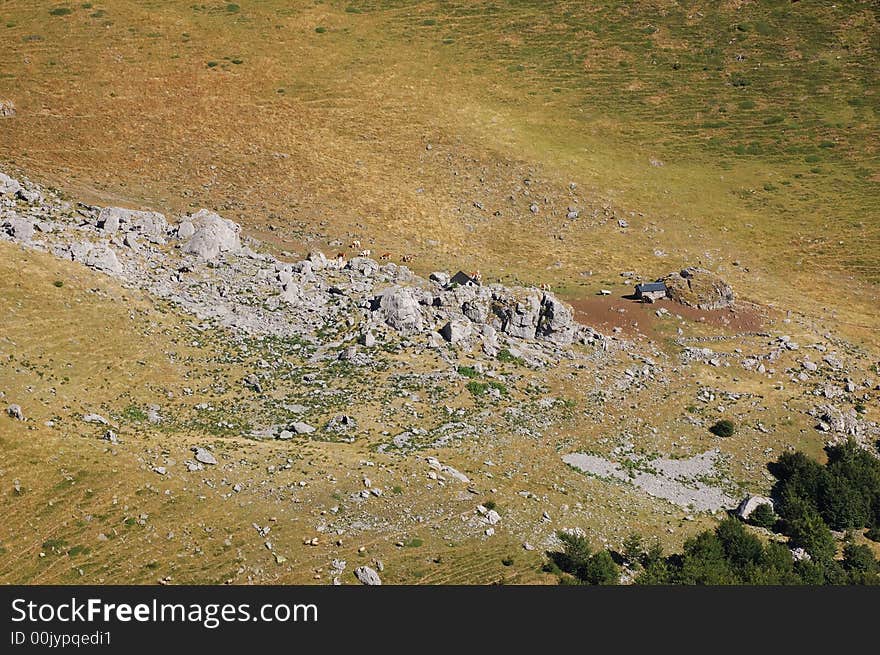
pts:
[213, 235]
[99, 256]
[749, 504]
[456, 331]
[115, 219]
[401, 310]
[367, 575]
[363, 265]
[19, 228]
[697, 287]
[185, 230]
[8, 186]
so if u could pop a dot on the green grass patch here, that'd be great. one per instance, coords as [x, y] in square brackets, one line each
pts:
[506, 357]
[468, 371]
[134, 413]
[54, 545]
[480, 388]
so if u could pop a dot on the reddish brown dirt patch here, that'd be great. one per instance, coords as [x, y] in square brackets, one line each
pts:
[635, 318]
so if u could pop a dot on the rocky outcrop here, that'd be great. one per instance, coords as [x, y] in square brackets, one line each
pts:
[317, 300]
[842, 424]
[531, 314]
[213, 235]
[520, 312]
[697, 287]
[185, 230]
[556, 322]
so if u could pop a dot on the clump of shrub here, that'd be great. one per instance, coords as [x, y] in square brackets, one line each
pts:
[723, 428]
[577, 564]
[732, 555]
[763, 517]
[844, 493]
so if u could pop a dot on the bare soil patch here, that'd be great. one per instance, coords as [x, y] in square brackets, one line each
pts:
[635, 318]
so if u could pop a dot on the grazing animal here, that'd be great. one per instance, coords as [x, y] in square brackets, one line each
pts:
[476, 275]
[407, 258]
[340, 255]
[355, 244]
[366, 253]
[545, 287]
[385, 256]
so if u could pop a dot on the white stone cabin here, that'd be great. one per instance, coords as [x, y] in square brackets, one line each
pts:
[650, 291]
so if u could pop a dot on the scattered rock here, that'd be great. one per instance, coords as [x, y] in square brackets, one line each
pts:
[204, 456]
[302, 428]
[14, 411]
[367, 575]
[341, 423]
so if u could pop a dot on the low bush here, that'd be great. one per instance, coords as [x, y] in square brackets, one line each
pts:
[723, 428]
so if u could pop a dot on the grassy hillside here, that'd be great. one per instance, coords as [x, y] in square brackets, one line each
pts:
[316, 118]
